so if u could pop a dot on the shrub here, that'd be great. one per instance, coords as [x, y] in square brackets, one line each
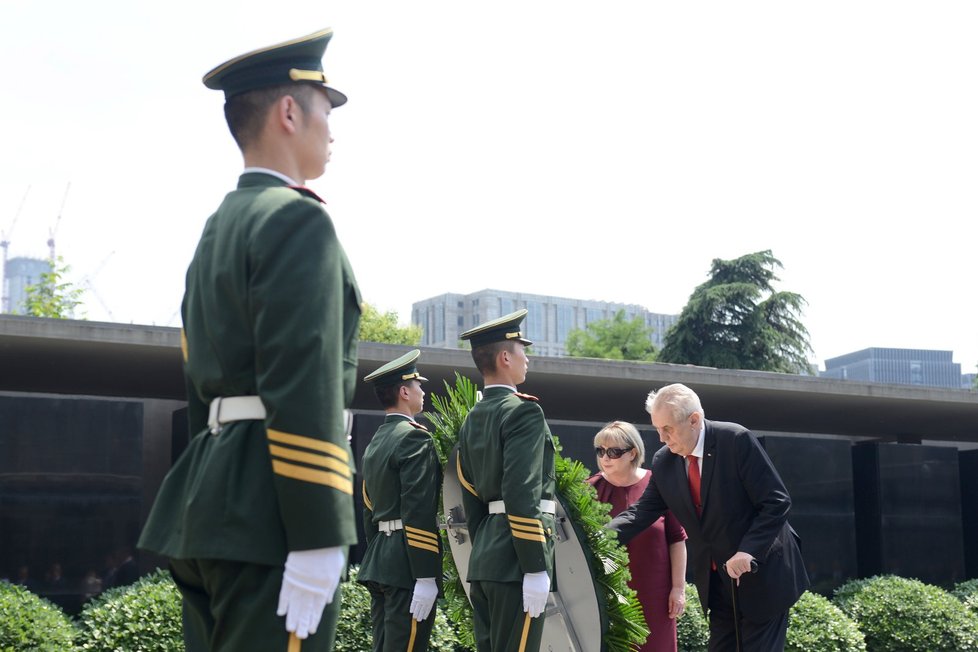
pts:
[817, 625]
[353, 628]
[353, 632]
[28, 622]
[692, 629]
[967, 592]
[905, 614]
[145, 616]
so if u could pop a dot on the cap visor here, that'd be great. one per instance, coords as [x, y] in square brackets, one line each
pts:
[336, 98]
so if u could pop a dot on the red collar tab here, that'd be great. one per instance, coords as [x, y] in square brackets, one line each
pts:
[418, 425]
[308, 193]
[527, 397]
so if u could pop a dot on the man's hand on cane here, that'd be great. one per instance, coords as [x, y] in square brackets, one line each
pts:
[740, 564]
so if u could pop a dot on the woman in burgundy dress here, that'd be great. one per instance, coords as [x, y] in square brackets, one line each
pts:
[657, 556]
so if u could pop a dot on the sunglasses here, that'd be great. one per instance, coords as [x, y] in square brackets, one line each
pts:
[612, 453]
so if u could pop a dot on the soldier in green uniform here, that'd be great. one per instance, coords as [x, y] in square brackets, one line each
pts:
[401, 483]
[506, 469]
[257, 514]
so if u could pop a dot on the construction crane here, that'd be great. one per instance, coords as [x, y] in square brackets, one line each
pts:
[57, 223]
[5, 243]
[86, 283]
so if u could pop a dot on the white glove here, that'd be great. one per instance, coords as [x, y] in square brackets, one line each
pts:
[425, 593]
[308, 585]
[536, 589]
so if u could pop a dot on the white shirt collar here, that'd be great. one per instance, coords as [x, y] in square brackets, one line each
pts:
[509, 387]
[701, 442]
[269, 171]
[400, 414]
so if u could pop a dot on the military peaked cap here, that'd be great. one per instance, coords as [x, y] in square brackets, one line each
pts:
[397, 371]
[298, 60]
[503, 329]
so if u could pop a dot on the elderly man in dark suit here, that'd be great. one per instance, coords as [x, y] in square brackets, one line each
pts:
[721, 485]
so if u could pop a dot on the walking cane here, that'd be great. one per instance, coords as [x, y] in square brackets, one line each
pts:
[733, 599]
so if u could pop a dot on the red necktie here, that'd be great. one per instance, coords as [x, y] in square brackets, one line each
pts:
[694, 483]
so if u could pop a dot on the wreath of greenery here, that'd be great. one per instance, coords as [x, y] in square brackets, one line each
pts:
[621, 610]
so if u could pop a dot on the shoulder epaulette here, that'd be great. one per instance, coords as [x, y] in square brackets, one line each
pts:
[308, 193]
[418, 425]
[527, 397]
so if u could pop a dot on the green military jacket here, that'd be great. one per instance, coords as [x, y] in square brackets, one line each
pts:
[401, 480]
[271, 309]
[506, 452]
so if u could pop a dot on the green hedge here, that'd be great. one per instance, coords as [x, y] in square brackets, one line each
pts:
[145, 616]
[817, 625]
[878, 614]
[692, 630]
[907, 615]
[28, 622]
[967, 592]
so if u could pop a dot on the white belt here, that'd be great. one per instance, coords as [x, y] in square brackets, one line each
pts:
[226, 409]
[499, 507]
[388, 527]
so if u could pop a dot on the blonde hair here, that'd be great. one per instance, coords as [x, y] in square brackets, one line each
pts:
[623, 435]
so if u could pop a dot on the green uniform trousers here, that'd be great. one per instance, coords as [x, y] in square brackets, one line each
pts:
[500, 623]
[394, 629]
[229, 606]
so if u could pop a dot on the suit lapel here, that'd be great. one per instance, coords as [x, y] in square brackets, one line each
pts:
[709, 462]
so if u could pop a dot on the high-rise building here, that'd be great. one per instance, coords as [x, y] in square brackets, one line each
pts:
[549, 319]
[18, 274]
[896, 366]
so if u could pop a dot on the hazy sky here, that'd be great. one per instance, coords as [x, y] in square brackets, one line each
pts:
[597, 150]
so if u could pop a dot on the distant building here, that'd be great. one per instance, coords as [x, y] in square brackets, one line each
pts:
[18, 274]
[968, 381]
[443, 318]
[896, 366]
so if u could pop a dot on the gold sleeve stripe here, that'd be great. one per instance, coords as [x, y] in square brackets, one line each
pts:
[522, 519]
[311, 458]
[183, 345]
[525, 528]
[306, 474]
[366, 499]
[413, 539]
[423, 546]
[529, 537]
[308, 442]
[461, 478]
[425, 534]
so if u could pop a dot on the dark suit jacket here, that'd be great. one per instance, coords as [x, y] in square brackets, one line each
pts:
[745, 508]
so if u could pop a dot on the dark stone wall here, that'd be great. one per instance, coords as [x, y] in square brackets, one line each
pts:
[818, 475]
[70, 492]
[908, 511]
[78, 476]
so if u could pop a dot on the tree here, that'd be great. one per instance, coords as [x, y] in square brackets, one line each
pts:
[736, 320]
[613, 339]
[377, 327]
[52, 296]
